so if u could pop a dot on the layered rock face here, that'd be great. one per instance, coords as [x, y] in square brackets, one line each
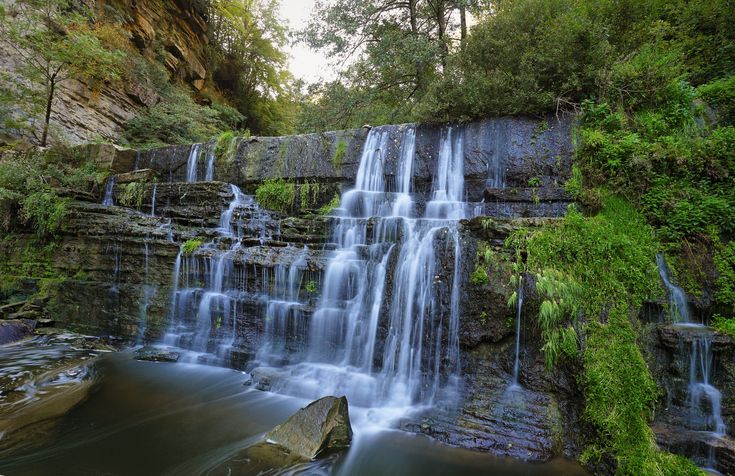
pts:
[170, 33]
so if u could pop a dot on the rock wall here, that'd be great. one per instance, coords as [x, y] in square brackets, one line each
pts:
[172, 34]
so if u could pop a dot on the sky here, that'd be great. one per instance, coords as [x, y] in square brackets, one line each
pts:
[304, 63]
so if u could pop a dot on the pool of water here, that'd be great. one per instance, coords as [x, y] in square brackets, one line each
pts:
[144, 418]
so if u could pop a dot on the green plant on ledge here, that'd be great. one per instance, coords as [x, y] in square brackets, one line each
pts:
[327, 209]
[276, 194]
[190, 246]
[479, 277]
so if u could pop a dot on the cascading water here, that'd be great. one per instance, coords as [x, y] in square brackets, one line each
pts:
[192, 162]
[678, 305]
[385, 329]
[701, 393]
[209, 174]
[206, 289]
[153, 201]
[703, 399]
[109, 199]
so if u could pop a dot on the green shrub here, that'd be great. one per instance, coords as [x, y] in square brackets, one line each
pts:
[479, 277]
[720, 94]
[133, 194]
[276, 194]
[44, 211]
[179, 120]
[724, 259]
[311, 287]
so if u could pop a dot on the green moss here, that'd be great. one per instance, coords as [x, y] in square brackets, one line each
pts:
[602, 268]
[720, 94]
[479, 277]
[190, 246]
[276, 194]
[339, 154]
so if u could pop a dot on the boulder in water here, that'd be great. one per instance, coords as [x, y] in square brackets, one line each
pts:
[14, 330]
[153, 354]
[321, 427]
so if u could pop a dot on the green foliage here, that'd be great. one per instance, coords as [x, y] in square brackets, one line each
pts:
[45, 211]
[133, 194]
[620, 396]
[339, 154]
[248, 61]
[724, 259]
[557, 312]
[479, 277]
[311, 287]
[178, 120]
[276, 194]
[534, 182]
[53, 41]
[226, 145]
[724, 325]
[308, 194]
[720, 94]
[190, 246]
[601, 269]
[327, 209]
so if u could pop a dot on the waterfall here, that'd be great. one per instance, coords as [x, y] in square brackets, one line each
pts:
[206, 285]
[109, 199]
[385, 328]
[209, 175]
[153, 201]
[149, 291]
[517, 363]
[703, 399]
[701, 392]
[191, 163]
[678, 304]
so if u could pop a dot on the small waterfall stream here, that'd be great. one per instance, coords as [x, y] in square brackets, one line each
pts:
[153, 201]
[703, 398]
[192, 163]
[109, 199]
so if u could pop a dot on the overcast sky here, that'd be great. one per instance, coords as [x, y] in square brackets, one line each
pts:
[305, 63]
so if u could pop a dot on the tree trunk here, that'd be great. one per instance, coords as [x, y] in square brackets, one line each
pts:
[415, 32]
[462, 23]
[49, 101]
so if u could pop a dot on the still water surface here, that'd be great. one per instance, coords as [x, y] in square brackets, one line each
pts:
[145, 418]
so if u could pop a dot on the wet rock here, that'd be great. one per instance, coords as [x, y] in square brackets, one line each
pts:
[152, 354]
[14, 330]
[706, 449]
[136, 176]
[321, 427]
[7, 309]
[265, 377]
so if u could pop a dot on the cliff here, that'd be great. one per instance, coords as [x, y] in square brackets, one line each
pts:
[171, 35]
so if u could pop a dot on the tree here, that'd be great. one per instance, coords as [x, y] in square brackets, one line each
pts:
[390, 51]
[249, 63]
[52, 41]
